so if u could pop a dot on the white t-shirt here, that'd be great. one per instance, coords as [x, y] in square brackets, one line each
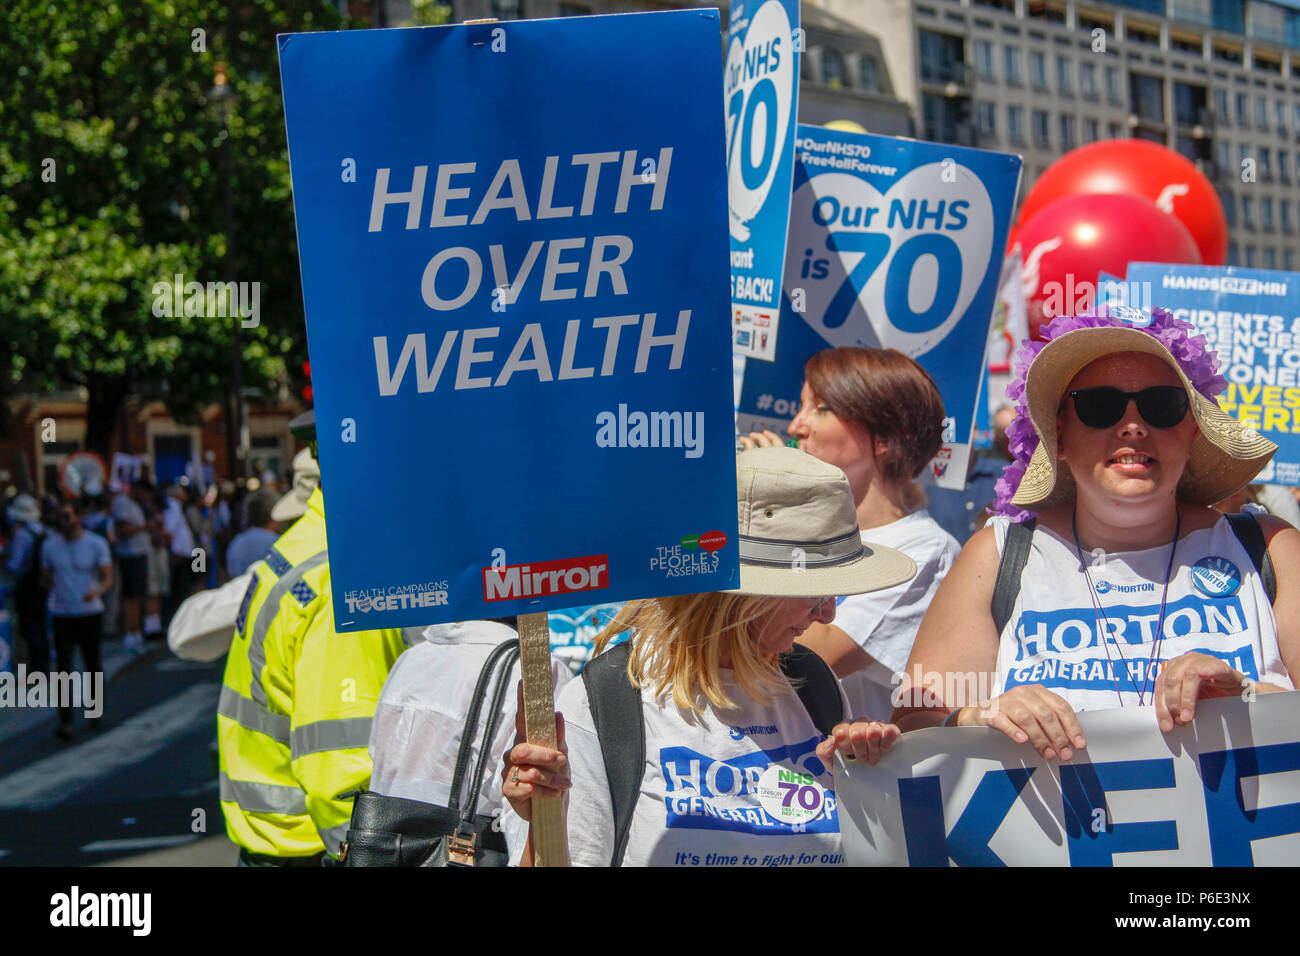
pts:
[176, 525]
[1055, 636]
[884, 623]
[698, 804]
[75, 566]
[420, 718]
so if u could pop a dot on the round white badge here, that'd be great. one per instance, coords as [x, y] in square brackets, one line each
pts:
[789, 796]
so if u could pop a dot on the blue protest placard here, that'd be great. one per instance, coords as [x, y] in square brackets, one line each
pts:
[1251, 317]
[761, 99]
[513, 248]
[894, 243]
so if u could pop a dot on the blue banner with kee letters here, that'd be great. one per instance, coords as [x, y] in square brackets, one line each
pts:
[513, 240]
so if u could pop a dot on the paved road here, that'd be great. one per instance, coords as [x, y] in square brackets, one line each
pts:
[141, 791]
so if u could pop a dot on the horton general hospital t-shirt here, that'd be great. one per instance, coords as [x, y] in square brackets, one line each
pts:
[702, 799]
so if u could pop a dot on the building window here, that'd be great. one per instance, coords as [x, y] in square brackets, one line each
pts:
[943, 57]
[1287, 260]
[986, 115]
[1113, 130]
[1283, 172]
[1042, 132]
[1090, 134]
[832, 68]
[1147, 97]
[1064, 76]
[1112, 85]
[1229, 201]
[1279, 116]
[1011, 64]
[1261, 112]
[1270, 259]
[1016, 124]
[1221, 106]
[507, 9]
[1243, 111]
[1266, 164]
[1248, 212]
[984, 59]
[1067, 131]
[1266, 212]
[1234, 254]
[1223, 155]
[1250, 257]
[1037, 70]
[1284, 213]
[1088, 80]
[869, 73]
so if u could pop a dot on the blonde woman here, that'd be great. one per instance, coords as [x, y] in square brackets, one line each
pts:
[728, 764]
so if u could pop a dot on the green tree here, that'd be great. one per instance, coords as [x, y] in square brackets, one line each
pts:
[111, 182]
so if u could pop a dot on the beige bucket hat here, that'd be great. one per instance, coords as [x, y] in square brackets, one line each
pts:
[306, 476]
[799, 531]
[1225, 456]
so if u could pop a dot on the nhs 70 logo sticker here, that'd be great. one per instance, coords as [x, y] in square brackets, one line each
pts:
[896, 269]
[789, 796]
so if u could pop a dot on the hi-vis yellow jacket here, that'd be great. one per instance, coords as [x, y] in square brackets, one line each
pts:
[297, 701]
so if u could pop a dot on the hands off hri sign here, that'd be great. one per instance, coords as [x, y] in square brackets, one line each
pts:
[893, 244]
[513, 244]
[761, 97]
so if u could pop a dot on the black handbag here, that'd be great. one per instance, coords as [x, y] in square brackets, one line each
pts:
[393, 831]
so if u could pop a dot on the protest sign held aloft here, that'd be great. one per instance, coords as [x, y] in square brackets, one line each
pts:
[893, 243]
[514, 257]
[761, 98]
[1251, 317]
[1219, 791]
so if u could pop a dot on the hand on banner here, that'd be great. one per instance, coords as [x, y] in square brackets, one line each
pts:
[1192, 677]
[862, 740]
[763, 439]
[1030, 713]
[529, 770]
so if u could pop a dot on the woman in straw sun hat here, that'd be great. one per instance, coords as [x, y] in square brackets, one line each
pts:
[1134, 591]
[720, 723]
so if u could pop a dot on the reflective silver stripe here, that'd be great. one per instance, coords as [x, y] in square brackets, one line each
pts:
[261, 797]
[266, 614]
[809, 554]
[342, 734]
[333, 836]
[253, 716]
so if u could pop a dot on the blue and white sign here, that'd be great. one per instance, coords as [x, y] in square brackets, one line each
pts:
[761, 99]
[513, 248]
[894, 243]
[1252, 318]
[1221, 791]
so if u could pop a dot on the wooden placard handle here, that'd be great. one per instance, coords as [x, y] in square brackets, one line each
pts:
[550, 844]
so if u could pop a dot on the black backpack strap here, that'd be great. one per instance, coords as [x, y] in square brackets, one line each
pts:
[506, 649]
[1246, 527]
[1014, 555]
[817, 687]
[490, 724]
[620, 727]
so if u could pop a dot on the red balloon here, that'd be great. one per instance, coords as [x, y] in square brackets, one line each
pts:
[1070, 241]
[1138, 168]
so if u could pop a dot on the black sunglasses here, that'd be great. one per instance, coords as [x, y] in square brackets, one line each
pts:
[1161, 406]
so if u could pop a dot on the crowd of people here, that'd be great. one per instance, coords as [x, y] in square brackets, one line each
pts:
[108, 565]
[1112, 458]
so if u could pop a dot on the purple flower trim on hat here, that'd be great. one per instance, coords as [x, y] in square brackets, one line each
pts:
[1199, 363]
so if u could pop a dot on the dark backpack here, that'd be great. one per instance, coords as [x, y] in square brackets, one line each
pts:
[616, 712]
[28, 586]
[1016, 552]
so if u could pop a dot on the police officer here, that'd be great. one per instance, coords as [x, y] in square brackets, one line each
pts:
[297, 701]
